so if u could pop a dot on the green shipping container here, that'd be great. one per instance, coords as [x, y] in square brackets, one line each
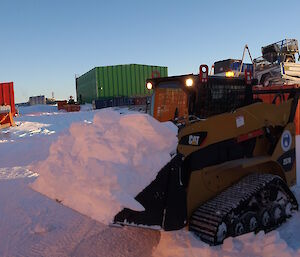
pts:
[119, 80]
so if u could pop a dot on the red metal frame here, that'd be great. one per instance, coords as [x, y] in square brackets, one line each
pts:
[6, 120]
[203, 75]
[250, 135]
[248, 77]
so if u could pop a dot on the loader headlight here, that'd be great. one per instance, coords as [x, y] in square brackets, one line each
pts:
[229, 74]
[149, 85]
[189, 82]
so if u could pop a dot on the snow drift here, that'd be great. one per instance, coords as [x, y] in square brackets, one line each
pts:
[98, 168]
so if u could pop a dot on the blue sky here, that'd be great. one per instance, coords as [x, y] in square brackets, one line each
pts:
[44, 43]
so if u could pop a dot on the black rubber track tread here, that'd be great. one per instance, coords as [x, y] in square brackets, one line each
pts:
[208, 216]
[216, 210]
[207, 221]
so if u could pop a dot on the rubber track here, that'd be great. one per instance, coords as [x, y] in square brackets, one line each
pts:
[207, 218]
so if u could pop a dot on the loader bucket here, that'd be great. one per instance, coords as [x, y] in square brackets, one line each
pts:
[164, 201]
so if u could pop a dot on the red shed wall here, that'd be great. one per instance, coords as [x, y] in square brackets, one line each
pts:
[7, 96]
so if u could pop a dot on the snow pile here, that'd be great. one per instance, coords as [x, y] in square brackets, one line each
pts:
[98, 168]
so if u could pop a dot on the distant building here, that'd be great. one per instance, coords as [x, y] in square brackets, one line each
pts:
[34, 100]
[119, 80]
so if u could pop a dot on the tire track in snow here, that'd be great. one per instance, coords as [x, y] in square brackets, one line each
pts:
[117, 242]
[57, 243]
[33, 225]
[36, 225]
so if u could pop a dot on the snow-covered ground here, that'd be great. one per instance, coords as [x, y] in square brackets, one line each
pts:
[34, 225]
[75, 157]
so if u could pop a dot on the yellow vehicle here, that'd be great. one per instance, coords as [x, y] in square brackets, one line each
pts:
[234, 165]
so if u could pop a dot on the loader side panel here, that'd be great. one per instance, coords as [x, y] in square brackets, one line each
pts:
[238, 123]
[215, 154]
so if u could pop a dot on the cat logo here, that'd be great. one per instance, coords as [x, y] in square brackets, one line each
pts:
[194, 140]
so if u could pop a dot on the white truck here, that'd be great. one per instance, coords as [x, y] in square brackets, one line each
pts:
[277, 65]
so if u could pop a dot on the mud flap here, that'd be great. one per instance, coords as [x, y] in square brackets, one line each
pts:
[164, 200]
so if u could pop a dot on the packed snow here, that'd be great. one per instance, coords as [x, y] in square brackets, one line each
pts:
[107, 156]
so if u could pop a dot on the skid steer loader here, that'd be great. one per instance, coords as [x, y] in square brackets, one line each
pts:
[234, 165]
